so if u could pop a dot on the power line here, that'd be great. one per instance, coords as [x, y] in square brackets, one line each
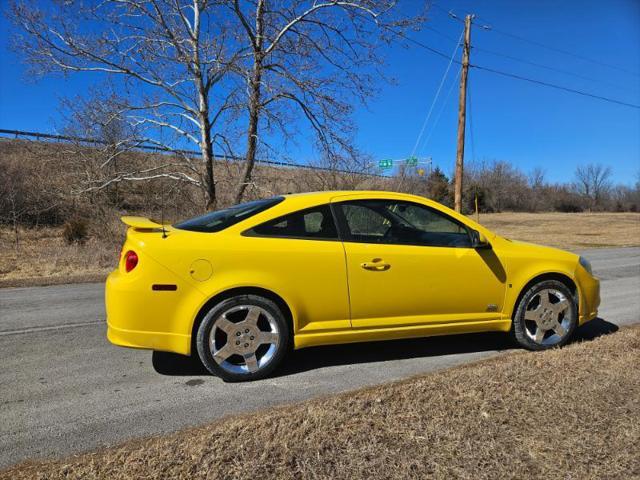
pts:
[437, 95]
[420, 44]
[558, 87]
[547, 67]
[519, 77]
[444, 104]
[473, 143]
[559, 50]
[489, 27]
[449, 13]
[438, 32]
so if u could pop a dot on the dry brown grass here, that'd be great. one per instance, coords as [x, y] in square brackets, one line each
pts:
[572, 231]
[44, 258]
[569, 413]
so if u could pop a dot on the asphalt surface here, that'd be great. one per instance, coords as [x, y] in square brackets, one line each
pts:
[64, 389]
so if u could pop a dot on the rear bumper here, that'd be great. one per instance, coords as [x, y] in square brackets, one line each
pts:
[139, 317]
[169, 342]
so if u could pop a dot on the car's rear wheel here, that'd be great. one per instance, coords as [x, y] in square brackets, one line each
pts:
[546, 316]
[243, 338]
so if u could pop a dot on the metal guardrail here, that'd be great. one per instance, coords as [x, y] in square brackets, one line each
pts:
[39, 136]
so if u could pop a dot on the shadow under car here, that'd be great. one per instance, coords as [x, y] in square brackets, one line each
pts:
[312, 358]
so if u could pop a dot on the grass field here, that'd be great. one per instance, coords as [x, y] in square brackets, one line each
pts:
[570, 413]
[571, 231]
[44, 258]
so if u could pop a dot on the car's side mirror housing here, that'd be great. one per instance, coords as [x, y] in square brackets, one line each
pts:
[479, 241]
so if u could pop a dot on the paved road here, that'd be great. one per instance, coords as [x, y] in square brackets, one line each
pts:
[65, 389]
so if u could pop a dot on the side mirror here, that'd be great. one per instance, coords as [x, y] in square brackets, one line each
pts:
[479, 241]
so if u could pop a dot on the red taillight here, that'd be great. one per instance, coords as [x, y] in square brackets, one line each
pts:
[130, 260]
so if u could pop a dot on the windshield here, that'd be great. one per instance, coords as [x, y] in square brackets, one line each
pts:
[221, 219]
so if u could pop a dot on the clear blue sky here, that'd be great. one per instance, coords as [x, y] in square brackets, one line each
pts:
[526, 124]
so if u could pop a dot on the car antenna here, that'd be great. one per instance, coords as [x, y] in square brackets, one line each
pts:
[164, 232]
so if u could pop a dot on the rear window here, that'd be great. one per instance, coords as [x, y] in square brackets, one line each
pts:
[312, 223]
[221, 219]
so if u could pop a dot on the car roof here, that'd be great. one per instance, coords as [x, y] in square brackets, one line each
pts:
[327, 195]
[296, 201]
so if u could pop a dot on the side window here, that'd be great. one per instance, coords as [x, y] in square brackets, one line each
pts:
[316, 222]
[364, 221]
[402, 223]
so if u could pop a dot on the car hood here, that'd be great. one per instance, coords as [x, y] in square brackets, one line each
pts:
[541, 251]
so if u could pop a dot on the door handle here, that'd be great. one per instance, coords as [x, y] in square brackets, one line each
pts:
[376, 265]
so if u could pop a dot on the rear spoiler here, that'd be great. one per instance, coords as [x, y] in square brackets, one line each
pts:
[141, 223]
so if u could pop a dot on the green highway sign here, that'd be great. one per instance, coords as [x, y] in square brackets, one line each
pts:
[387, 163]
[412, 161]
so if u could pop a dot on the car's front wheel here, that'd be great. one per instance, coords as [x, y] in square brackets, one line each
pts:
[546, 316]
[243, 338]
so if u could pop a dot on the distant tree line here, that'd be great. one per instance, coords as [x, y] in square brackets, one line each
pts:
[499, 186]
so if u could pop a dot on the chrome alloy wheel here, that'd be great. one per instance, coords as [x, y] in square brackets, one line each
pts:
[244, 339]
[547, 317]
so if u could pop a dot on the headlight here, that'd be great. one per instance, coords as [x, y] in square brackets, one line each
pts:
[586, 265]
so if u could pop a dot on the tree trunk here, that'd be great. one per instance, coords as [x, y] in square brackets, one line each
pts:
[252, 134]
[206, 147]
[202, 87]
[254, 103]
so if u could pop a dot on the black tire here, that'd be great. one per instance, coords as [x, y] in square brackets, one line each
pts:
[521, 329]
[281, 349]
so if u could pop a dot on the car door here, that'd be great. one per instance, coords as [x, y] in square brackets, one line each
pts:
[410, 264]
[301, 256]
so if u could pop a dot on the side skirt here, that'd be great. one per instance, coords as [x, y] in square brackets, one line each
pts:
[303, 340]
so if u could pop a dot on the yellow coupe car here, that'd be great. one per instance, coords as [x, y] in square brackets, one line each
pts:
[244, 285]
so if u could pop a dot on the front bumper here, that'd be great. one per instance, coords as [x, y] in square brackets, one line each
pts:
[589, 297]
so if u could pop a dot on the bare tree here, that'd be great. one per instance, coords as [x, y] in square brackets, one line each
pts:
[100, 138]
[593, 181]
[537, 185]
[25, 194]
[499, 185]
[168, 55]
[103, 157]
[536, 178]
[13, 205]
[314, 60]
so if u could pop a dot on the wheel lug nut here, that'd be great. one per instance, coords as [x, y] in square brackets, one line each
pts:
[238, 342]
[237, 334]
[251, 338]
[246, 331]
[246, 345]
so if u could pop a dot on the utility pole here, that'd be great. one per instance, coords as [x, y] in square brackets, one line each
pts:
[462, 113]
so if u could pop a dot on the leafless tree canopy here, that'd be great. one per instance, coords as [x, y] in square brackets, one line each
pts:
[313, 60]
[211, 72]
[593, 181]
[106, 170]
[169, 57]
